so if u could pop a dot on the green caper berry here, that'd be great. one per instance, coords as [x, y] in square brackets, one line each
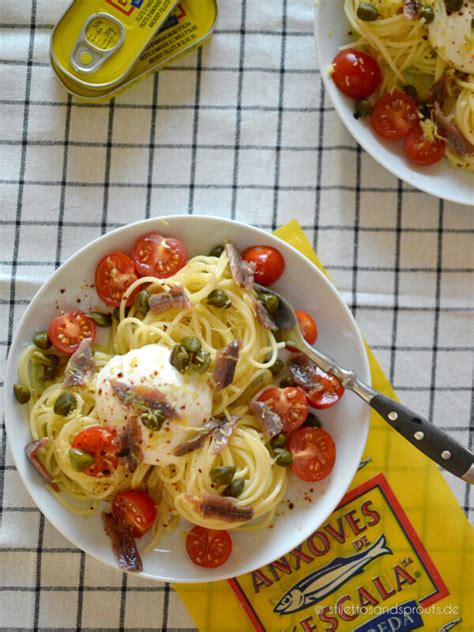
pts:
[287, 381]
[153, 419]
[234, 488]
[191, 344]
[41, 340]
[116, 313]
[453, 5]
[283, 457]
[217, 251]
[362, 108]
[223, 474]
[367, 12]
[22, 393]
[312, 421]
[49, 372]
[218, 298]
[270, 301]
[201, 361]
[411, 91]
[65, 404]
[277, 367]
[43, 359]
[179, 358]
[80, 459]
[141, 302]
[427, 14]
[279, 441]
[100, 319]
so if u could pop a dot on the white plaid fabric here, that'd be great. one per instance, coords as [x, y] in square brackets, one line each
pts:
[240, 129]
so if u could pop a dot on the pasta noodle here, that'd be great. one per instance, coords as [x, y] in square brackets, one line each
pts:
[173, 485]
[406, 56]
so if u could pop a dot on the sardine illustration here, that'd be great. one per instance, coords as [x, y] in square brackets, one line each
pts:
[450, 625]
[322, 582]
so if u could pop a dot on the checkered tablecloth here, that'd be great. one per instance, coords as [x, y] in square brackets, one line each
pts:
[240, 129]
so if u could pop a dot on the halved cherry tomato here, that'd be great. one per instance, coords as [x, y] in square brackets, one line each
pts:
[68, 330]
[421, 150]
[98, 441]
[158, 256]
[314, 453]
[327, 392]
[308, 328]
[394, 115]
[135, 510]
[356, 73]
[269, 263]
[289, 403]
[208, 547]
[113, 276]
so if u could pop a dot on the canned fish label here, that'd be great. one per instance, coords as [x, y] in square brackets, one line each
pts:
[186, 28]
[97, 42]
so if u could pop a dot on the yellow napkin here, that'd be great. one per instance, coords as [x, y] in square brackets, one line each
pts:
[396, 555]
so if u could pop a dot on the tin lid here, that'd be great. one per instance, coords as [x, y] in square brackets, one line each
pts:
[97, 42]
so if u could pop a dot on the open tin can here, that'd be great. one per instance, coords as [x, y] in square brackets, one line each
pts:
[185, 26]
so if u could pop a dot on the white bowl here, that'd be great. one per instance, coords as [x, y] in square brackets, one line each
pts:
[441, 180]
[348, 421]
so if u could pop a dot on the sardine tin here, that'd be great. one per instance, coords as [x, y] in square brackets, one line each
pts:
[188, 27]
[97, 42]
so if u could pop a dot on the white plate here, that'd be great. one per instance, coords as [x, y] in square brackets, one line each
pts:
[441, 180]
[348, 422]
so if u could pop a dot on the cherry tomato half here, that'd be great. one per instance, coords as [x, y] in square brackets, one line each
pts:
[269, 263]
[289, 403]
[327, 392]
[68, 330]
[208, 547]
[394, 115]
[422, 150]
[113, 276]
[136, 510]
[158, 256]
[356, 73]
[314, 453]
[98, 441]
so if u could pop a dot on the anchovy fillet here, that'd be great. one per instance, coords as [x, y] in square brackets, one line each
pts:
[123, 544]
[31, 450]
[226, 361]
[263, 315]
[81, 366]
[242, 271]
[270, 421]
[128, 444]
[175, 298]
[223, 508]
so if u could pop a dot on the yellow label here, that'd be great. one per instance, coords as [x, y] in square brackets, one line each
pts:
[396, 555]
[114, 32]
[187, 27]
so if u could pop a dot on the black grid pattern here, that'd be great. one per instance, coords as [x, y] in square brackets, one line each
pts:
[243, 129]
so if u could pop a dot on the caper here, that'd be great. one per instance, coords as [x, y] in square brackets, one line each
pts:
[44, 359]
[279, 441]
[362, 108]
[427, 14]
[153, 419]
[80, 459]
[223, 474]
[100, 319]
[453, 5]
[41, 340]
[287, 381]
[217, 251]
[191, 344]
[411, 91]
[201, 361]
[270, 301]
[218, 298]
[141, 302]
[277, 367]
[283, 457]
[22, 393]
[49, 372]
[179, 358]
[367, 12]
[116, 313]
[313, 421]
[65, 404]
[234, 488]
